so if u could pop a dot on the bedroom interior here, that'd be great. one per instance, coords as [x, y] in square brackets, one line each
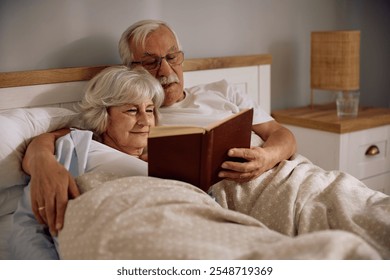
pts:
[42, 78]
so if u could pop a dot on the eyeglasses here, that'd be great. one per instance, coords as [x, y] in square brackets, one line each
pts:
[154, 62]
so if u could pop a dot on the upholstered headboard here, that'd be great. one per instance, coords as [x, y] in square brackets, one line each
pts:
[63, 87]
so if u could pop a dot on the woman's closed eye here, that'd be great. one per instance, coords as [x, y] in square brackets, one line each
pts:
[150, 110]
[134, 111]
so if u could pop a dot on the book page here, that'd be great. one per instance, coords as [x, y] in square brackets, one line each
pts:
[160, 131]
[218, 123]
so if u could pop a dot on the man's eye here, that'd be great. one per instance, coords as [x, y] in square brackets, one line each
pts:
[171, 57]
[132, 111]
[149, 62]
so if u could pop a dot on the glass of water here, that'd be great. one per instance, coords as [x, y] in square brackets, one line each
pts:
[347, 103]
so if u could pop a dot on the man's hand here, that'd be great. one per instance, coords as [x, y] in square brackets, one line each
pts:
[51, 185]
[279, 144]
[257, 162]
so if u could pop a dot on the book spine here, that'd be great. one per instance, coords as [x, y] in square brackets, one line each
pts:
[206, 161]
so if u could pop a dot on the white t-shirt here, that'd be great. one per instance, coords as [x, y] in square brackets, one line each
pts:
[104, 158]
[207, 103]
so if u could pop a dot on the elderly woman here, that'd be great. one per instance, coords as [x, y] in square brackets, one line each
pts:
[119, 106]
[118, 109]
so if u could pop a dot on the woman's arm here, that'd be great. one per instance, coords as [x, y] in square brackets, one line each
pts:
[51, 184]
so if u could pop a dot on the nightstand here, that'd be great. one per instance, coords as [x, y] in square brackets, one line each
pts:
[359, 146]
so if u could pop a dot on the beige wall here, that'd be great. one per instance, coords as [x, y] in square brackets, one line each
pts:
[40, 34]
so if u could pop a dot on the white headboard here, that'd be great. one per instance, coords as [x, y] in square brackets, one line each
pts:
[64, 87]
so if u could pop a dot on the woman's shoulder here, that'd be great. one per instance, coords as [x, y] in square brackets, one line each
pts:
[106, 159]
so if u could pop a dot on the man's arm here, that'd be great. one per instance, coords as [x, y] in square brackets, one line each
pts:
[51, 184]
[279, 144]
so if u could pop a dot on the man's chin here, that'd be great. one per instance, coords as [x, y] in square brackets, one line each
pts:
[172, 94]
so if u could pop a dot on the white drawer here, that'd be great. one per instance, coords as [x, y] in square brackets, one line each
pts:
[358, 143]
[379, 183]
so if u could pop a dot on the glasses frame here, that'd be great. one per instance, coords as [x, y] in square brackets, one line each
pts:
[159, 60]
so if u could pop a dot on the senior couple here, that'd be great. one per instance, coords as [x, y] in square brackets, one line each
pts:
[154, 45]
[122, 103]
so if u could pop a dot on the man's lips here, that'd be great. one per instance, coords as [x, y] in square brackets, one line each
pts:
[168, 85]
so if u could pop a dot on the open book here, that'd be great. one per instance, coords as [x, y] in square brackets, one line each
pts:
[195, 154]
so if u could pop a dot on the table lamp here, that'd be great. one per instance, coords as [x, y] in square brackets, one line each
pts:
[335, 61]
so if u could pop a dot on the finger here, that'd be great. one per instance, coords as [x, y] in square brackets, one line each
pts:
[237, 176]
[50, 212]
[61, 203]
[73, 189]
[247, 154]
[231, 174]
[240, 167]
[35, 207]
[60, 216]
[38, 215]
[144, 157]
[42, 213]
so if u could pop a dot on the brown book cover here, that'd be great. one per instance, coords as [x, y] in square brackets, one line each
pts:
[195, 154]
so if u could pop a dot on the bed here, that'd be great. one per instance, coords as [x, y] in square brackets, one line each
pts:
[294, 211]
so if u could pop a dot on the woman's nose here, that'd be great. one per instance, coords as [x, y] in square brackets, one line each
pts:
[143, 119]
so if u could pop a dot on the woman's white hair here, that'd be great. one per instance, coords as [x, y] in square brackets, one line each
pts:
[138, 33]
[117, 86]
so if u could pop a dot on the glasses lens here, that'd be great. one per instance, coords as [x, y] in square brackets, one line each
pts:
[153, 62]
[175, 58]
[150, 63]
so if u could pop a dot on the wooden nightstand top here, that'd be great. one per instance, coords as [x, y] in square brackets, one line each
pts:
[324, 117]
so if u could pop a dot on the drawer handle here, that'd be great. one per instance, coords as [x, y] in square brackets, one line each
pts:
[373, 150]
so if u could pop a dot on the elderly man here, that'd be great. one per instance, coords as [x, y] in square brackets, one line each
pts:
[154, 45]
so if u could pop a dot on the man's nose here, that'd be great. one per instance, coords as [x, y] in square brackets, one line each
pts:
[165, 69]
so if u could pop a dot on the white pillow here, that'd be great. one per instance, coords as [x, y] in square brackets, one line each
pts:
[18, 127]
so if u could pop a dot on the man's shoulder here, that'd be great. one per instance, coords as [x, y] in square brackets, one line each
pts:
[217, 86]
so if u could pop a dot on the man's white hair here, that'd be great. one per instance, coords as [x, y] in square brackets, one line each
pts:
[138, 33]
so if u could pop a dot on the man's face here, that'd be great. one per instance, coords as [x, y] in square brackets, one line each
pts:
[160, 43]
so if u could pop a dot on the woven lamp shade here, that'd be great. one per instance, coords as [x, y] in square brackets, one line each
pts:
[335, 60]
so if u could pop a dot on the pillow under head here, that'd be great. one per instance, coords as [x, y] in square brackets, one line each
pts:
[18, 127]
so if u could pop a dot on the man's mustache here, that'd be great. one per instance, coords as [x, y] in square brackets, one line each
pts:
[169, 80]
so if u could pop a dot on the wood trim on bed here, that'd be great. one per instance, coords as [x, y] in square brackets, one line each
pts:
[49, 76]
[226, 62]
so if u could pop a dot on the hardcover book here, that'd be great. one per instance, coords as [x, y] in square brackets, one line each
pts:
[195, 154]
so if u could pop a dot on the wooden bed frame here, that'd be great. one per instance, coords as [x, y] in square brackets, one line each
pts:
[63, 87]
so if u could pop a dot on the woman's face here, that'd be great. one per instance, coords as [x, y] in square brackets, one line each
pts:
[128, 127]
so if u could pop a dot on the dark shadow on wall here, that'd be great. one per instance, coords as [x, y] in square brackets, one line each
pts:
[372, 18]
[284, 75]
[88, 51]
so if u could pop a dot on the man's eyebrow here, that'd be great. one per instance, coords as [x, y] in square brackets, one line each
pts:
[173, 48]
[148, 54]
